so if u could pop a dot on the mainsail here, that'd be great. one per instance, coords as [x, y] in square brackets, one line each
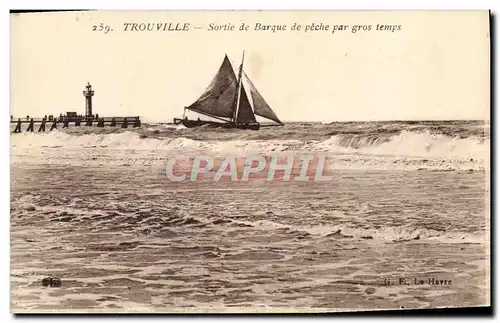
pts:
[218, 99]
[260, 106]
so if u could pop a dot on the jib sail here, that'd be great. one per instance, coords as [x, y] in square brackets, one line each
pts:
[260, 106]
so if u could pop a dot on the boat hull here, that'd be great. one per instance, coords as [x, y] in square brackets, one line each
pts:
[214, 124]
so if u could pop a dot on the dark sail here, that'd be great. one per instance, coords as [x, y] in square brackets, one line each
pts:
[260, 106]
[245, 113]
[218, 99]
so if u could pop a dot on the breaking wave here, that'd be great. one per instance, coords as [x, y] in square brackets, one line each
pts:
[415, 144]
[404, 144]
[382, 234]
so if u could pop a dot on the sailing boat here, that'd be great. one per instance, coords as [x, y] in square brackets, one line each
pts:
[226, 100]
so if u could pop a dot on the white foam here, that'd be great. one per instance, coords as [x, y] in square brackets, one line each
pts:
[424, 144]
[383, 234]
[407, 150]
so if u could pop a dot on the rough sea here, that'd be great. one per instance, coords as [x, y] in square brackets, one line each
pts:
[404, 223]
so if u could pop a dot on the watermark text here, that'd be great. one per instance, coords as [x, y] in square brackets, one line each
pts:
[300, 168]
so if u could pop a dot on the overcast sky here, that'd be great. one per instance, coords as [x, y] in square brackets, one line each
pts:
[436, 67]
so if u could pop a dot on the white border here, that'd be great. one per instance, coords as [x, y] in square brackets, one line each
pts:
[257, 4]
[189, 5]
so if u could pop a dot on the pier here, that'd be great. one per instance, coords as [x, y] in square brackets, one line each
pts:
[41, 124]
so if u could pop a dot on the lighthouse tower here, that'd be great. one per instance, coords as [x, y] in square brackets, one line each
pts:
[88, 94]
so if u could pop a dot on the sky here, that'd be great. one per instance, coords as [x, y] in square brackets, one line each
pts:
[436, 67]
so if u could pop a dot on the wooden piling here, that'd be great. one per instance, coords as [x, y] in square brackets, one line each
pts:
[18, 126]
[137, 122]
[100, 123]
[30, 127]
[113, 122]
[42, 126]
[125, 123]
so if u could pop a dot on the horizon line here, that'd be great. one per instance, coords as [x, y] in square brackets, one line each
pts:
[345, 121]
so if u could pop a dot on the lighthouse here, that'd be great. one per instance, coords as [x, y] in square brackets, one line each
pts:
[88, 94]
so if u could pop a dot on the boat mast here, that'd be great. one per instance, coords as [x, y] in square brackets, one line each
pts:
[239, 89]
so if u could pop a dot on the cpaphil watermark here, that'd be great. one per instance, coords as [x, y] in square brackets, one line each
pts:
[299, 168]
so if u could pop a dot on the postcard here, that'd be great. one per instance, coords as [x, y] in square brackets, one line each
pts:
[249, 161]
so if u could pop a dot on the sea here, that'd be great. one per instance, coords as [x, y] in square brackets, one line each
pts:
[403, 223]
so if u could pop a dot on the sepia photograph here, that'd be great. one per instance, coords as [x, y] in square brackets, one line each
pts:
[249, 161]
